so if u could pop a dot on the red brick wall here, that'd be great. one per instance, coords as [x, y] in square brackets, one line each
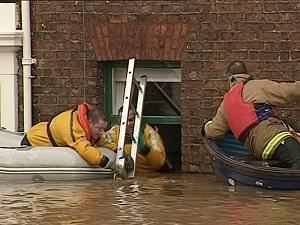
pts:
[67, 38]
[146, 40]
[66, 72]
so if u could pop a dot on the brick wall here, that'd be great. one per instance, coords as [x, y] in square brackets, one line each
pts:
[66, 72]
[264, 34]
[68, 37]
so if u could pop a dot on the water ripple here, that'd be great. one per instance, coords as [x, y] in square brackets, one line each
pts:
[167, 200]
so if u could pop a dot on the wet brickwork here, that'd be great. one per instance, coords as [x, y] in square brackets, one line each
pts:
[69, 38]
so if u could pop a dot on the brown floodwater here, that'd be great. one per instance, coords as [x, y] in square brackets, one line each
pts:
[166, 199]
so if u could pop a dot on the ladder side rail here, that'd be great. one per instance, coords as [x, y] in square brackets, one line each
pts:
[138, 121]
[120, 162]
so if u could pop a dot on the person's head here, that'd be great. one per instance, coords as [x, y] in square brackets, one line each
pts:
[98, 123]
[237, 72]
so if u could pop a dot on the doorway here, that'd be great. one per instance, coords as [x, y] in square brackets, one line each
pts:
[161, 102]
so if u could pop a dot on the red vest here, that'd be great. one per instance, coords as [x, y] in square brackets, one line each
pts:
[83, 110]
[240, 115]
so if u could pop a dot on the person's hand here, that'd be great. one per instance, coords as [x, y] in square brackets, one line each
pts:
[129, 163]
[105, 163]
[123, 170]
[203, 127]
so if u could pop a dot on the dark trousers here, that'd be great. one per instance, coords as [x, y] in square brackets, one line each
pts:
[288, 152]
[25, 141]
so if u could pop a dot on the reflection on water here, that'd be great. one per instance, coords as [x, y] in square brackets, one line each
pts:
[168, 199]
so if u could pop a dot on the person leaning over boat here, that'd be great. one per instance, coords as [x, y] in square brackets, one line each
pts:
[249, 111]
[151, 154]
[79, 128]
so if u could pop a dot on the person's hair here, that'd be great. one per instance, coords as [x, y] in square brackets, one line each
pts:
[236, 67]
[94, 115]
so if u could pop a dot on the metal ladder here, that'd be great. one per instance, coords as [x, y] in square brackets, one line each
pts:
[120, 164]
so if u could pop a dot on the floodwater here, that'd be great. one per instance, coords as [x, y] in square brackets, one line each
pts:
[165, 199]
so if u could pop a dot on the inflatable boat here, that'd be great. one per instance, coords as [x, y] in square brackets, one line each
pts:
[237, 165]
[44, 163]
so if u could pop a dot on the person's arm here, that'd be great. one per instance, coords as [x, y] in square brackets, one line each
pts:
[89, 153]
[281, 93]
[218, 126]
[154, 149]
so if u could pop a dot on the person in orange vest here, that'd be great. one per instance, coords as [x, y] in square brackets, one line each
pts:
[151, 153]
[248, 109]
[79, 128]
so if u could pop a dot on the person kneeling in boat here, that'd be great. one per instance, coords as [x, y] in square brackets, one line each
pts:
[151, 154]
[79, 128]
[248, 110]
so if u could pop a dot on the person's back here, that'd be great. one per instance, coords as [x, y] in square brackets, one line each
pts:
[249, 111]
[38, 135]
[265, 92]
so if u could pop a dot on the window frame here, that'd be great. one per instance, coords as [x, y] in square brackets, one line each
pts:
[107, 70]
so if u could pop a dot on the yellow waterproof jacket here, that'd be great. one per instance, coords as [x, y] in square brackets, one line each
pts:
[153, 161]
[66, 131]
[264, 138]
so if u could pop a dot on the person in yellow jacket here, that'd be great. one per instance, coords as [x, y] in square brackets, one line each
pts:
[248, 109]
[79, 128]
[151, 155]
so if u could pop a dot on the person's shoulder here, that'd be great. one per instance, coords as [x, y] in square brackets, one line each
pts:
[261, 81]
[147, 125]
[114, 128]
[274, 81]
[149, 128]
[66, 112]
[112, 132]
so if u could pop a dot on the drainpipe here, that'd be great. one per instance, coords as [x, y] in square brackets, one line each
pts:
[27, 61]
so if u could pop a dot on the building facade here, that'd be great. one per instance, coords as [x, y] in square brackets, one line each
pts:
[82, 47]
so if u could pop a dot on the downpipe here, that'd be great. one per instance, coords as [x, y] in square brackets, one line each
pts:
[26, 62]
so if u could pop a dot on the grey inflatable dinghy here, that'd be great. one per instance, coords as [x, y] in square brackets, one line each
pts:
[45, 163]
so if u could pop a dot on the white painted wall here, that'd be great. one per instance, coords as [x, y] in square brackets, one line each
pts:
[10, 41]
[7, 17]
